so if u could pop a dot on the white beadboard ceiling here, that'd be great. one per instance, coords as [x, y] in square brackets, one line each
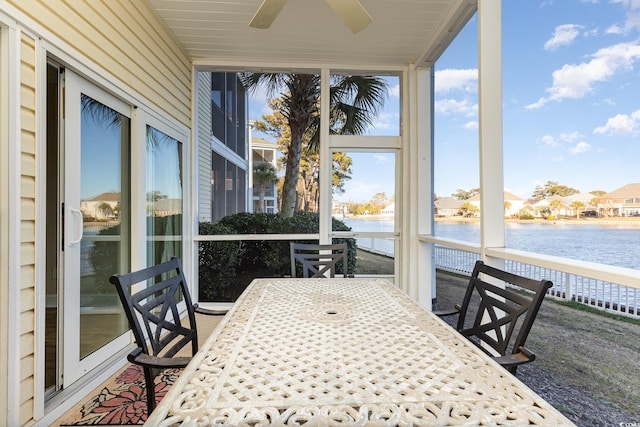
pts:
[308, 33]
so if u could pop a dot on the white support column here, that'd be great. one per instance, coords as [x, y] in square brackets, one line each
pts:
[418, 178]
[490, 123]
[325, 159]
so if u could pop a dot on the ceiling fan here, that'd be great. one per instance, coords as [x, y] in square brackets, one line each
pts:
[350, 11]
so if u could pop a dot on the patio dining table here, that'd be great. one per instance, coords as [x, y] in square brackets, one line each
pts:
[348, 352]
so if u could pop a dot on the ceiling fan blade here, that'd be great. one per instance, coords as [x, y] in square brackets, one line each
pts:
[352, 14]
[267, 13]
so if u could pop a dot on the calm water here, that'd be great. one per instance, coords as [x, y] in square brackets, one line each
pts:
[607, 244]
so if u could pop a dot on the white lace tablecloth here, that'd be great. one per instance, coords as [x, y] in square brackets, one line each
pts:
[343, 352]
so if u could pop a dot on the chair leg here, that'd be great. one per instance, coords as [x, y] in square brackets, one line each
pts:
[151, 389]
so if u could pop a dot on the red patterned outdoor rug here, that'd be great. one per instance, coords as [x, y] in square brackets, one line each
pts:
[120, 401]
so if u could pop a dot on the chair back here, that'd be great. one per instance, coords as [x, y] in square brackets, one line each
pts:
[504, 316]
[152, 309]
[318, 260]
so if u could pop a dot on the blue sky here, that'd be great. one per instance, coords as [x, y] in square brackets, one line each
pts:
[571, 99]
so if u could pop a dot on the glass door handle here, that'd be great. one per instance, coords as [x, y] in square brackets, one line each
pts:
[79, 213]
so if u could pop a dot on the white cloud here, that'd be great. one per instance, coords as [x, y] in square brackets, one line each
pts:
[535, 105]
[456, 79]
[633, 13]
[580, 147]
[381, 159]
[614, 29]
[386, 120]
[575, 81]
[553, 142]
[471, 125]
[453, 106]
[549, 141]
[394, 91]
[363, 190]
[563, 35]
[621, 124]
[570, 137]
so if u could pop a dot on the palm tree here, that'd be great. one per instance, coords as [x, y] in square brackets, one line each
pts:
[577, 205]
[469, 209]
[354, 103]
[555, 205]
[264, 174]
[105, 209]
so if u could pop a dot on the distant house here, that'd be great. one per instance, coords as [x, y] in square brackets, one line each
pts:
[512, 203]
[101, 207]
[166, 207]
[561, 206]
[587, 199]
[263, 151]
[447, 206]
[624, 201]
[556, 205]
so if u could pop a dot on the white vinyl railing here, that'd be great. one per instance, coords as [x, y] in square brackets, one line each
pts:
[571, 286]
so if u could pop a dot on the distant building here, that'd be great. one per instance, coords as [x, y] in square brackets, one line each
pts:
[223, 146]
[166, 207]
[564, 205]
[513, 203]
[447, 206]
[624, 201]
[102, 207]
[263, 151]
[585, 198]
[555, 205]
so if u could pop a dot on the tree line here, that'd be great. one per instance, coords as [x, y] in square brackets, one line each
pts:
[541, 192]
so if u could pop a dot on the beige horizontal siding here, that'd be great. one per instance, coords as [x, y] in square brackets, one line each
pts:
[127, 39]
[27, 227]
[203, 98]
[133, 49]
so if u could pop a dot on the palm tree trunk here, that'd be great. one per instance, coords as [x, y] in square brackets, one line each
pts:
[289, 193]
[301, 102]
[261, 202]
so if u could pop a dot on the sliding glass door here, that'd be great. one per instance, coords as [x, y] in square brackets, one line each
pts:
[96, 220]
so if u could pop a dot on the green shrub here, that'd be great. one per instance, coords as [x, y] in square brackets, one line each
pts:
[525, 215]
[217, 264]
[256, 258]
[104, 256]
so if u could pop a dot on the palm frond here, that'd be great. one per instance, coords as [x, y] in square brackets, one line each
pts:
[99, 112]
[272, 82]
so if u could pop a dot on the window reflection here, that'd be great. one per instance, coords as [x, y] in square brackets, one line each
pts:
[164, 197]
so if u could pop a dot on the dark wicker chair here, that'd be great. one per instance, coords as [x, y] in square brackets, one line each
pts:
[154, 318]
[503, 316]
[317, 260]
